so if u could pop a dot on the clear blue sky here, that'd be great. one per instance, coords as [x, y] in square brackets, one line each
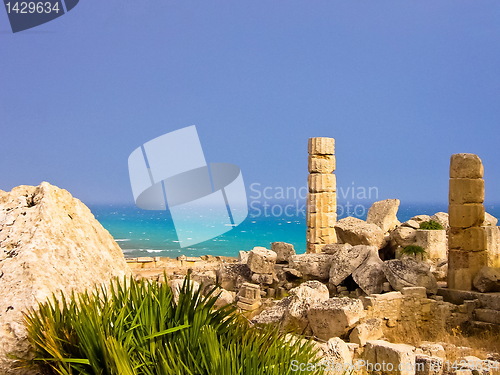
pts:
[401, 85]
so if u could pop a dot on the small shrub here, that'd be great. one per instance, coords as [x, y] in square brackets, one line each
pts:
[413, 250]
[431, 225]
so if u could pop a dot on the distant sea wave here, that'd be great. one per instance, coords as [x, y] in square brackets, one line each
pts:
[152, 233]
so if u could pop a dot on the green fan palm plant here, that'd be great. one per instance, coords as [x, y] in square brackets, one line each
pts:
[136, 327]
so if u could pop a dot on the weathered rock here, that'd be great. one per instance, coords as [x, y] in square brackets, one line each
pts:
[176, 287]
[369, 330]
[433, 349]
[384, 214]
[407, 272]
[347, 260]
[312, 265]
[335, 355]
[421, 218]
[301, 298]
[263, 278]
[321, 146]
[427, 365]
[370, 275]
[334, 317]
[273, 314]
[358, 232]
[489, 220]
[261, 260]
[249, 297]
[441, 218]
[243, 256]
[466, 166]
[411, 224]
[401, 356]
[403, 236]
[225, 297]
[49, 242]
[321, 163]
[284, 251]
[232, 276]
[336, 248]
[488, 280]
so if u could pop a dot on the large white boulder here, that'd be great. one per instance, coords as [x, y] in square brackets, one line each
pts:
[49, 242]
[407, 272]
[335, 316]
[355, 231]
[261, 260]
[315, 266]
[370, 275]
[301, 298]
[346, 260]
[384, 214]
[397, 359]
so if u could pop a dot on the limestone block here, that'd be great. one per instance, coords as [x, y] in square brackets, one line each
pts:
[313, 265]
[427, 365]
[490, 220]
[301, 298]
[261, 260]
[354, 231]
[441, 218]
[334, 317]
[463, 266]
[433, 242]
[346, 260]
[370, 275]
[321, 235]
[487, 315]
[337, 356]
[466, 215]
[493, 245]
[321, 220]
[407, 272]
[420, 218]
[314, 248]
[403, 236]
[324, 164]
[466, 166]
[283, 251]
[319, 183]
[384, 214]
[263, 278]
[322, 202]
[466, 190]
[467, 259]
[487, 280]
[470, 239]
[369, 330]
[321, 146]
[415, 291]
[401, 356]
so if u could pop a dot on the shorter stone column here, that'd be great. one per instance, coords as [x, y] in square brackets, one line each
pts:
[467, 244]
[322, 197]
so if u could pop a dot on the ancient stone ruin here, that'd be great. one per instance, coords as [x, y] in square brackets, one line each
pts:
[322, 198]
[467, 252]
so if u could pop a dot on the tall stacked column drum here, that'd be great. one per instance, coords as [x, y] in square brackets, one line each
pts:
[467, 252]
[322, 196]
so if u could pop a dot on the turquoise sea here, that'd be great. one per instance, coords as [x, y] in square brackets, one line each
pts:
[152, 233]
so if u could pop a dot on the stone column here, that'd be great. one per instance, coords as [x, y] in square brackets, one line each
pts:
[322, 197]
[467, 245]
